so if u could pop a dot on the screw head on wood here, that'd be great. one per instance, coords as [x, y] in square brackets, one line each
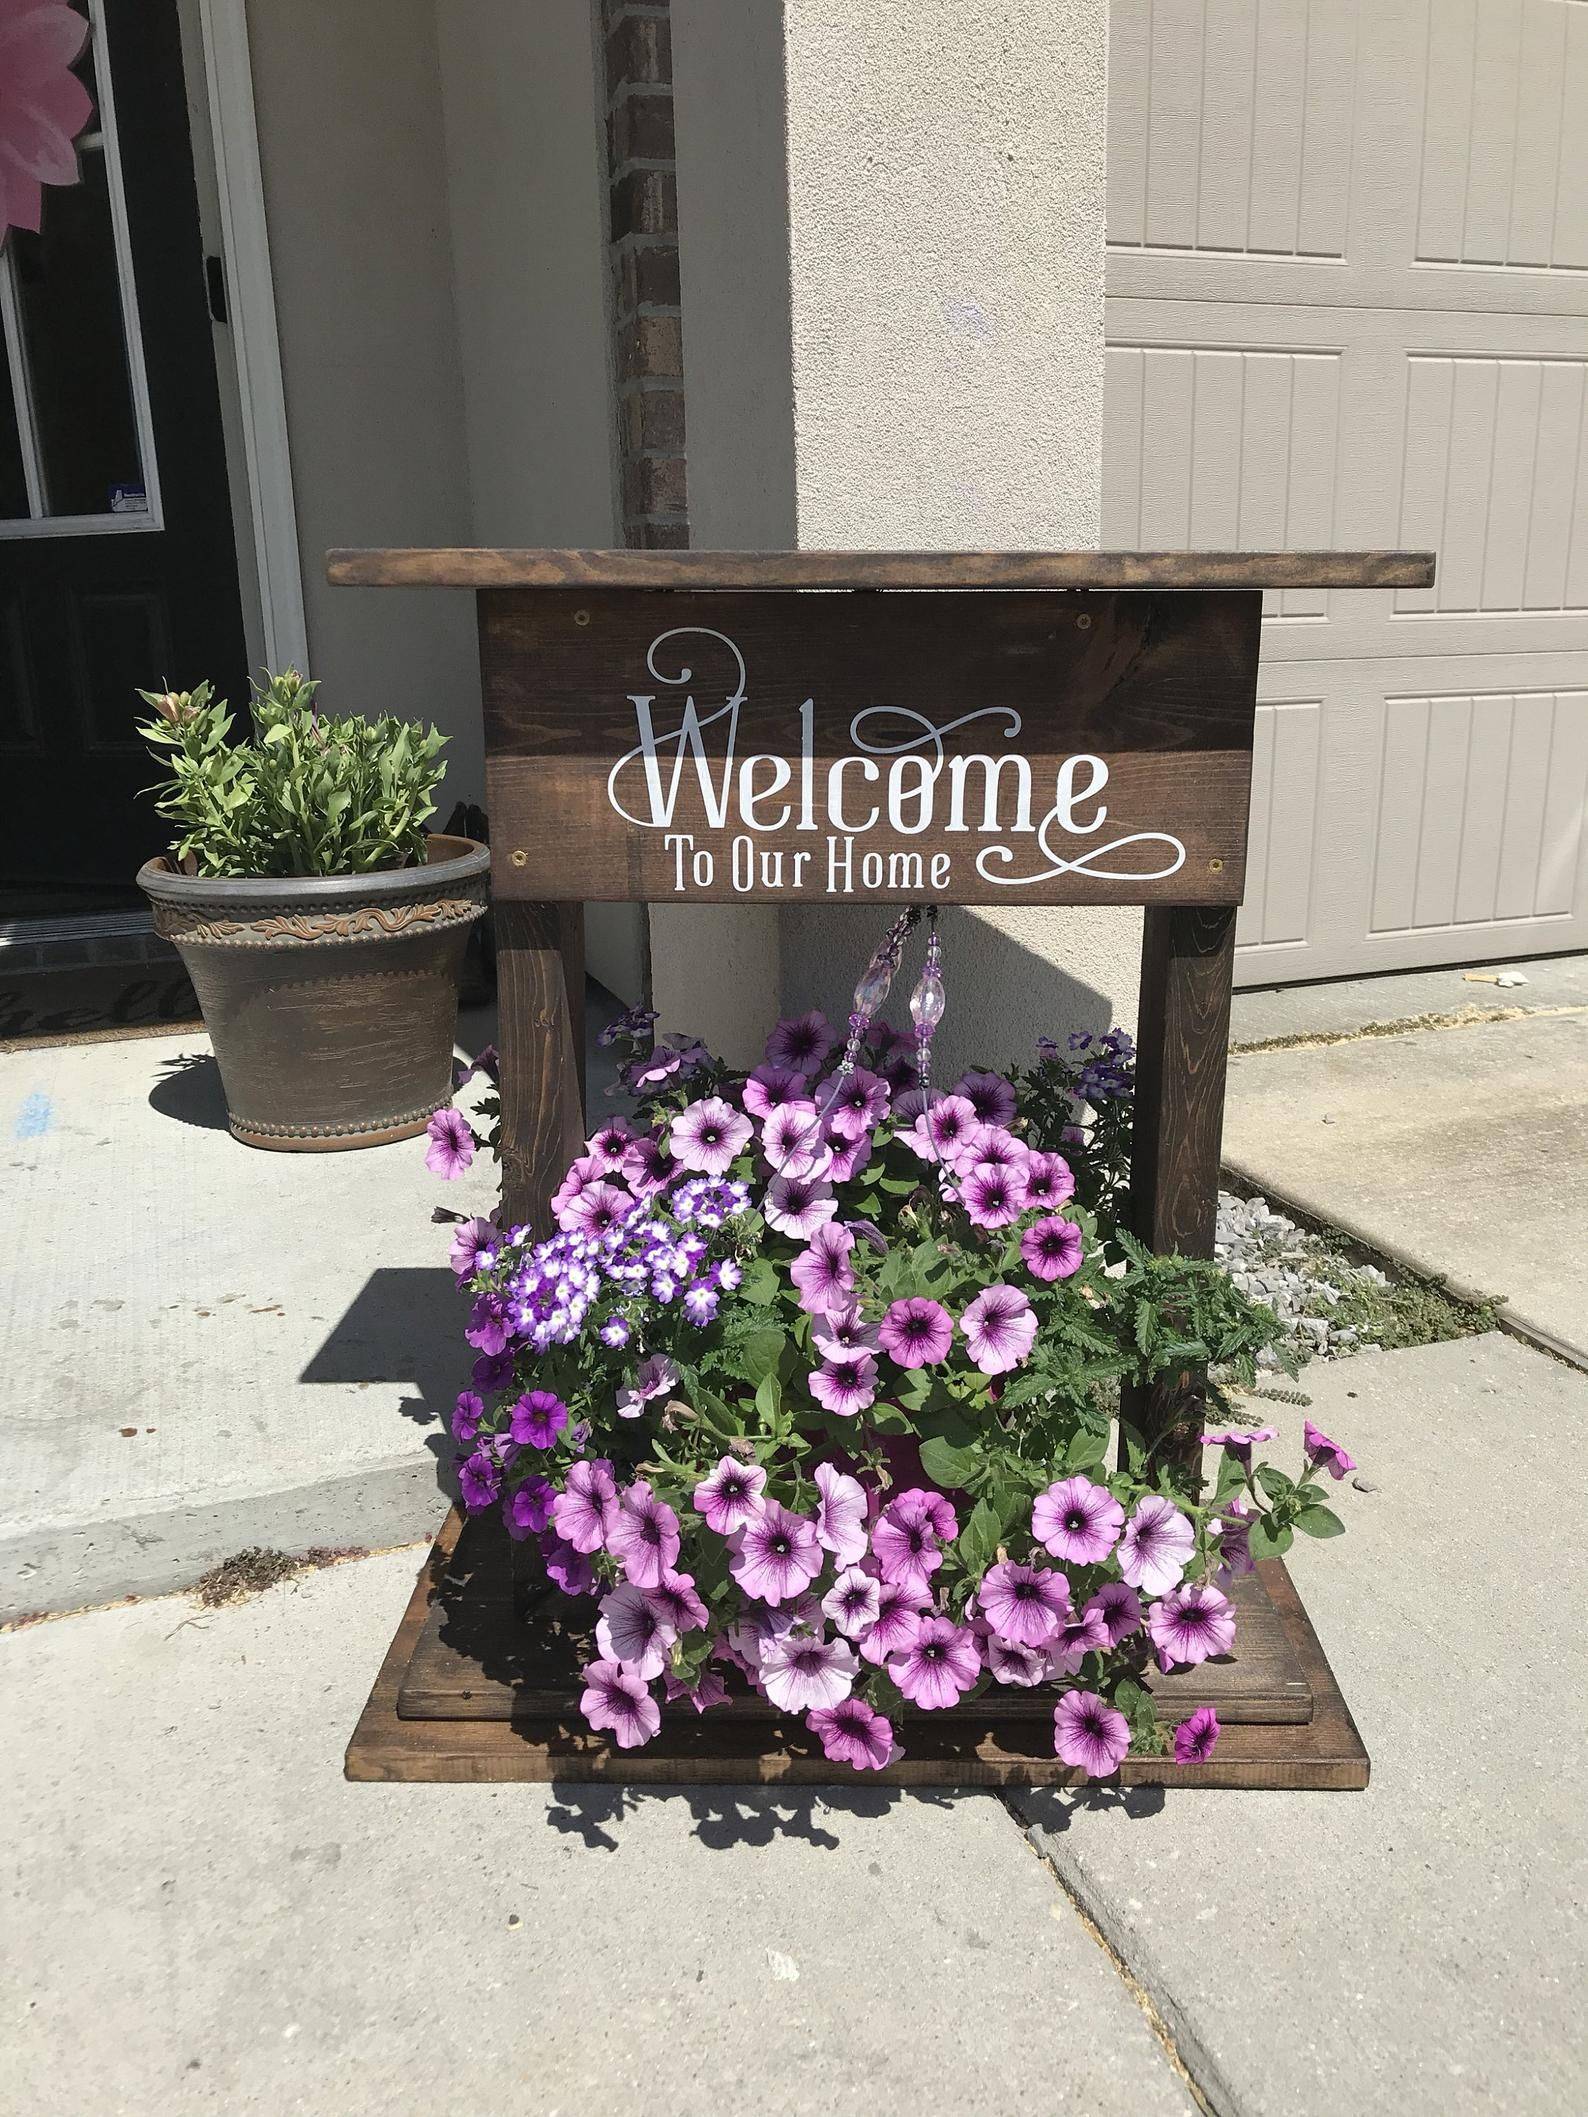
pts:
[1083, 623]
[520, 858]
[1215, 867]
[581, 617]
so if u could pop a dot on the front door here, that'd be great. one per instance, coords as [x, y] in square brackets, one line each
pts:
[118, 567]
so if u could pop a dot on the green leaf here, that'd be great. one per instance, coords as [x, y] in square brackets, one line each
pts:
[1086, 1449]
[1266, 1540]
[1319, 1521]
[769, 1397]
[761, 1352]
[979, 1539]
[1274, 1482]
[759, 1283]
[953, 1468]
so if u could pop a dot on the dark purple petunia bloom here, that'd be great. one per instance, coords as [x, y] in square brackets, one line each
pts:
[1052, 1248]
[938, 1665]
[479, 1481]
[823, 1272]
[916, 1333]
[1117, 1609]
[990, 1096]
[898, 1614]
[527, 1508]
[853, 1733]
[859, 1105]
[775, 1556]
[537, 1418]
[474, 1247]
[993, 1194]
[1049, 1181]
[731, 1495]
[1324, 1454]
[845, 1384]
[800, 1043]
[1090, 1735]
[466, 1415]
[571, 1570]
[451, 1147]
[488, 1324]
[492, 1370]
[1024, 1604]
[853, 1602]
[1000, 1329]
[646, 1168]
[1191, 1624]
[584, 1512]
[1196, 1738]
[769, 1088]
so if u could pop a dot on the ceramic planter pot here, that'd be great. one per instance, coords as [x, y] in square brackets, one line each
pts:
[331, 1000]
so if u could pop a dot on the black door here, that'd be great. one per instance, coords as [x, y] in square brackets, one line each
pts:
[118, 566]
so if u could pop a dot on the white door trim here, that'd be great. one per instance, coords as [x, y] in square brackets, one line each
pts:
[251, 307]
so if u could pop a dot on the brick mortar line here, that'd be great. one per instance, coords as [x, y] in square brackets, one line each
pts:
[1188, 2057]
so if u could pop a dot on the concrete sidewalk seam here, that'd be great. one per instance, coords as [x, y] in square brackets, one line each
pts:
[1407, 1025]
[1322, 1219]
[1188, 2057]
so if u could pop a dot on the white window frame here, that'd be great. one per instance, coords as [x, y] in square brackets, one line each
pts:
[136, 522]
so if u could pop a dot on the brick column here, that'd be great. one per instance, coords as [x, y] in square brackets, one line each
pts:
[643, 249]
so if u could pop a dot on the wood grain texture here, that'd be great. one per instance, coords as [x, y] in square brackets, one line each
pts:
[540, 1034]
[465, 567]
[1012, 750]
[489, 1651]
[1182, 1040]
[1323, 1753]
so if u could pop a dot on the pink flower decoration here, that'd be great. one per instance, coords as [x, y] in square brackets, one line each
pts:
[43, 106]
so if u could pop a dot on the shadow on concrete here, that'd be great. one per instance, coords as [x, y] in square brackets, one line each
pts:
[1050, 1808]
[726, 1816]
[190, 1090]
[405, 1325]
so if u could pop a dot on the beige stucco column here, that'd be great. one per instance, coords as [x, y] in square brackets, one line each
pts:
[891, 237]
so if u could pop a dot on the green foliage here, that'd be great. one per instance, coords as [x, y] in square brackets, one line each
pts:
[308, 794]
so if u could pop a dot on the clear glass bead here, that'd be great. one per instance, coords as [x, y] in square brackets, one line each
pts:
[873, 987]
[928, 1000]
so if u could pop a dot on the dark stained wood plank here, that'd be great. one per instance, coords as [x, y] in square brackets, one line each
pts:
[540, 1033]
[1015, 750]
[465, 567]
[1182, 1037]
[1321, 1754]
[484, 1655]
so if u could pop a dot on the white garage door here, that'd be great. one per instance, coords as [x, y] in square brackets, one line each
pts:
[1348, 305]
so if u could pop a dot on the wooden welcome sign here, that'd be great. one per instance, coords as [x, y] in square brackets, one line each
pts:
[876, 728]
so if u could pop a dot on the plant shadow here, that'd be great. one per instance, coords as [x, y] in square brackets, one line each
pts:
[190, 1091]
[404, 1325]
[728, 1816]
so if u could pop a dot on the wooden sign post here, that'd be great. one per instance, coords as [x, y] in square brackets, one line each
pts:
[876, 729]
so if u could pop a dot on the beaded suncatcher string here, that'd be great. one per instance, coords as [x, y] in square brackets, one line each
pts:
[927, 1001]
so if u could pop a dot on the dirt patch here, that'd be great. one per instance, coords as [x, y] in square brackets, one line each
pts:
[252, 1571]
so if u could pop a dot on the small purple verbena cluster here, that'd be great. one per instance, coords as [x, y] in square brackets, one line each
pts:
[802, 1392]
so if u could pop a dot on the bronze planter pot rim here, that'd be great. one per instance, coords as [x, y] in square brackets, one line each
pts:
[331, 1000]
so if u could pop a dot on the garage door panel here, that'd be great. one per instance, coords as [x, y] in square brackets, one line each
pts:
[1282, 837]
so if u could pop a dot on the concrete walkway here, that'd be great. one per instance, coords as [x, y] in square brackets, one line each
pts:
[1461, 1151]
[203, 1917]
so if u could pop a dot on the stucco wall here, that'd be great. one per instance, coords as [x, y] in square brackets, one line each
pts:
[354, 165]
[929, 184]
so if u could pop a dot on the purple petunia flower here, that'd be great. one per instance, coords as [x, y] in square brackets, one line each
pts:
[653, 1378]
[537, 1418]
[616, 1698]
[853, 1733]
[775, 1556]
[917, 1333]
[798, 1205]
[467, 1414]
[1000, 1327]
[824, 1274]
[451, 1147]
[1324, 1454]
[474, 1247]
[1117, 1609]
[1235, 1551]
[731, 1495]
[989, 1095]
[939, 1133]
[800, 1043]
[707, 1690]
[1195, 1739]
[1190, 1624]
[1052, 1248]
[582, 1173]
[646, 1168]
[769, 1088]
[938, 1665]
[527, 1508]
[835, 1335]
[840, 1515]
[992, 1194]
[571, 1570]
[905, 1541]
[999, 1149]
[674, 1596]
[1049, 1181]
[643, 1537]
[853, 1602]
[1077, 1520]
[707, 1135]
[1241, 1440]
[898, 1614]
[1156, 1546]
[598, 1210]
[858, 1106]
[1008, 1663]
[584, 1511]
[802, 1672]
[1091, 1736]
[631, 1629]
[479, 1481]
[793, 1142]
[845, 1157]
[1024, 1604]
[1083, 1635]
[845, 1385]
[610, 1143]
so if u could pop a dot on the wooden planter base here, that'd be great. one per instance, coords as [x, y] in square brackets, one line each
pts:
[471, 1691]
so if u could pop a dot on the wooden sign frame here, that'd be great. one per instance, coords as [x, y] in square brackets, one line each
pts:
[1056, 702]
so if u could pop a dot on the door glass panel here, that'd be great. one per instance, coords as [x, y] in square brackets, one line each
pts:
[66, 311]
